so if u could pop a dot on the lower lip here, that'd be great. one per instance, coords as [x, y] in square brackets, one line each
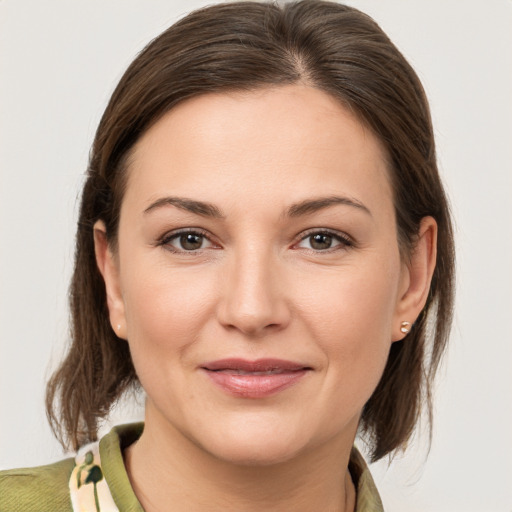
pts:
[255, 386]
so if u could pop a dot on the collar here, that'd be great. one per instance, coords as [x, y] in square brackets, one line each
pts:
[99, 480]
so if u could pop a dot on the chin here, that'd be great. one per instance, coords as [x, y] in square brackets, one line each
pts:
[256, 454]
[251, 447]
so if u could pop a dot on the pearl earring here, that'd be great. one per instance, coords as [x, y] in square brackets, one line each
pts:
[405, 327]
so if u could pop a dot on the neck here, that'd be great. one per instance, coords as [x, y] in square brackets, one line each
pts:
[167, 469]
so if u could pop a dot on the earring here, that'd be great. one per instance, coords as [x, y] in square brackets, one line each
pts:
[405, 327]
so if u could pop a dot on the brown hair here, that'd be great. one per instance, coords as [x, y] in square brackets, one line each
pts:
[243, 46]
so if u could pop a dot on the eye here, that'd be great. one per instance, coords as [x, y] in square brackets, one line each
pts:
[186, 241]
[323, 241]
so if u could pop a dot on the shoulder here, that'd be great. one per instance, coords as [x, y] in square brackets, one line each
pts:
[41, 489]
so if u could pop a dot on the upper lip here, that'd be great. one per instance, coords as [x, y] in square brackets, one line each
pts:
[259, 365]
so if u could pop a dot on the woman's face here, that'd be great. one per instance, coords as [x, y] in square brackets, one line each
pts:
[258, 279]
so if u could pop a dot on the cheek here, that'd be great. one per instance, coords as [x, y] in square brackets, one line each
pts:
[350, 304]
[351, 319]
[164, 308]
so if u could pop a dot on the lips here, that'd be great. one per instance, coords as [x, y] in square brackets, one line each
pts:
[254, 379]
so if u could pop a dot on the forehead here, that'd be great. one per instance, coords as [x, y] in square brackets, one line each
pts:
[273, 143]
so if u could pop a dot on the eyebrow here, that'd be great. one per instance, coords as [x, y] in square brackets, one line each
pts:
[313, 205]
[305, 207]
[190, 205]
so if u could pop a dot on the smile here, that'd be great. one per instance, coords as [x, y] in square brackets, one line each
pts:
[254, 379]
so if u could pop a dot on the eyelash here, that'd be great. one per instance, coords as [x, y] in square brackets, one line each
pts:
[345, 241]
[166, 240]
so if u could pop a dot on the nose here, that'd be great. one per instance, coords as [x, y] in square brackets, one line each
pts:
[253, 300]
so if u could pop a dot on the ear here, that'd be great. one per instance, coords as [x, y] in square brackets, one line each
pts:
[416, 278]
[109, 269]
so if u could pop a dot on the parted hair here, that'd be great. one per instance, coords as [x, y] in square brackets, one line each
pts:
[242, 46]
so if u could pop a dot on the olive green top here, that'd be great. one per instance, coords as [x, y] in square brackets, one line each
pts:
[97, 480]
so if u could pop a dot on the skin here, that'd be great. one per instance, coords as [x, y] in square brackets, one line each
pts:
[258, 287]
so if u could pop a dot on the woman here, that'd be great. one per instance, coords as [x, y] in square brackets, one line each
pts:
[262, 243]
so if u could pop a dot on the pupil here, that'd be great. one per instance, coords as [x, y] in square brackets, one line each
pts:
[320, 241]
[191, 242]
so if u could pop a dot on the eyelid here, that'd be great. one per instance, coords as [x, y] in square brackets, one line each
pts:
[165, 239]
[346, 240]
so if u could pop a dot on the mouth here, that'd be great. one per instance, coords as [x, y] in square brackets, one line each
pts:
[254, 379]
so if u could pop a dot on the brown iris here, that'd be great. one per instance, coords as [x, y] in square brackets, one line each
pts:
[321, 241]
[191, 241]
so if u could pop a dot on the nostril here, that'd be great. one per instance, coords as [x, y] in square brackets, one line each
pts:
[251, 302]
